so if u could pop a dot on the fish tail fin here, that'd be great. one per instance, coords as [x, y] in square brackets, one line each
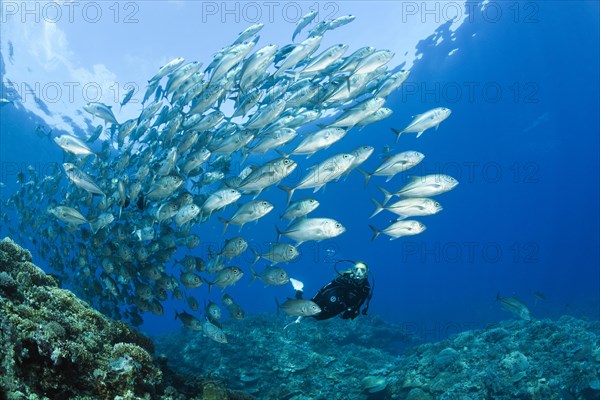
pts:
[282, 154]
[278, 233]
[387, 195]
[289, 190]
[398, 133]
[208, 283]
[225, 223]
[256, 256]
[278, 305]
[378, 207]
[94, 230]
[366, 174]
[376, 232]
[254, 276]
[177, 314]
[245, 153]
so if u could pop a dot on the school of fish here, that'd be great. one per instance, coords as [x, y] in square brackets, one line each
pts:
[111, 218]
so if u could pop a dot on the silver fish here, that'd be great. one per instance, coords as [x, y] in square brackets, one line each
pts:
[213, 332]
[318, 140]
[278, 253]
[81, 179]
[271, 276]
[399, 229]
[226, 277]
[234, 247]
[248, 212]
[514, 306]
[312, 229]
[427, 186]
[101, 110]
[410, 207]
[219, 199]
[267, 175]
[320, 174]
[422, 122]
[395, 164]
[68, 215]
[299, 307]
[303, 23]
[300, 208]
[73, 145]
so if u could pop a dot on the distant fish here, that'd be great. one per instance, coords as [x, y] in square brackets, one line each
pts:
[303, 22]
[167, 69]
[248, 33]
[127, 96]
[539, 296]
[514, 306]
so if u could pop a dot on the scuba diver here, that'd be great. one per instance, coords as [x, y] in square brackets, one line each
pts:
[345, 294]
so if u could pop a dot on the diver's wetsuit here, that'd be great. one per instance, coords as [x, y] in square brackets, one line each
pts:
[343, 294]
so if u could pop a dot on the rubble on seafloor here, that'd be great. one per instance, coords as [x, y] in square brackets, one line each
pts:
[55, 346]
[371, 359]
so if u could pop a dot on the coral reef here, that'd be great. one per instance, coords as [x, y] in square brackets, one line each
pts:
[370, 359]
[54, 346]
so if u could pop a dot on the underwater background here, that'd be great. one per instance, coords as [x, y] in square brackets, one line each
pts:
[521, 79]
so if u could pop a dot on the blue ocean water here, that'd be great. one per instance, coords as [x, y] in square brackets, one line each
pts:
[522, 141]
